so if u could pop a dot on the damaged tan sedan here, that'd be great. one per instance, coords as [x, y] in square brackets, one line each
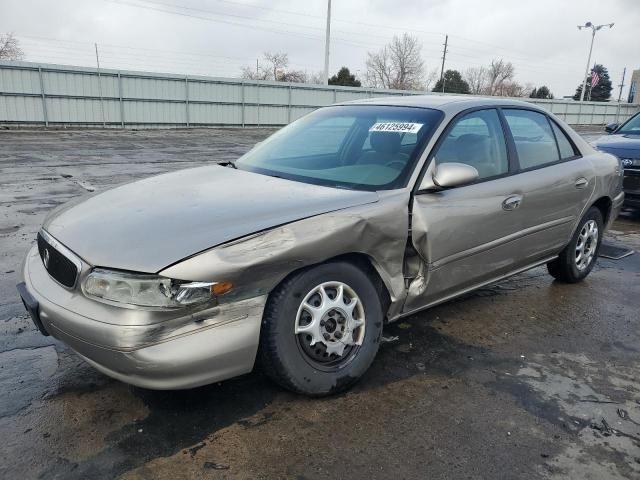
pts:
[298, 253]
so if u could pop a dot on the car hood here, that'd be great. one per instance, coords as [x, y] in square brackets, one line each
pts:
[150, 224]
[621, 145]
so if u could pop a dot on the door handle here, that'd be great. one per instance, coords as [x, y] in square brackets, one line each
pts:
[581, 183]
[511, 202]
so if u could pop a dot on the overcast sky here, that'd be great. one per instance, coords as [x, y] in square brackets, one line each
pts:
[218, 37]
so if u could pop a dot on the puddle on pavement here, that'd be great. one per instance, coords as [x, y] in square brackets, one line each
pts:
[601, 404]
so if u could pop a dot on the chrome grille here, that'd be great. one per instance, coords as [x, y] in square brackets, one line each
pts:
[61, 268]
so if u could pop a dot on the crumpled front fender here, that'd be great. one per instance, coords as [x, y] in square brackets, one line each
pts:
[257, 263]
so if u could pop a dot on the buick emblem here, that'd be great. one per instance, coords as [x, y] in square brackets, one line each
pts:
[627, 162]
[45, 258]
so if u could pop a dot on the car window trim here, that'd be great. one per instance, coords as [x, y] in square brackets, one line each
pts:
[552, 134]
[512, 152]
[545, 165]
[454, 120]
[555, 138]
[619, 129]
[569, 139]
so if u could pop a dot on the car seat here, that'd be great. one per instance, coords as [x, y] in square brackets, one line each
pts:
[386, 149]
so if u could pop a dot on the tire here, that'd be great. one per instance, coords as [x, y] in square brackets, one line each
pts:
[570, 266]
[318, 369]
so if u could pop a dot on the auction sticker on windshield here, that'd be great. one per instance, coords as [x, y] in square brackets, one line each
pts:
[401, 127]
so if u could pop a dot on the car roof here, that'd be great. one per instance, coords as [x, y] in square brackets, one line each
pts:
[446, 103]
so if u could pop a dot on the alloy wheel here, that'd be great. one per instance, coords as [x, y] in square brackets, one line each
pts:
[586, 245]
[330, 324]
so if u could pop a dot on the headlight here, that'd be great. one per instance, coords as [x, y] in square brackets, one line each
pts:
[149, 290]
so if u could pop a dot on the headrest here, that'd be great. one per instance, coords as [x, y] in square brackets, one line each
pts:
[385, 142]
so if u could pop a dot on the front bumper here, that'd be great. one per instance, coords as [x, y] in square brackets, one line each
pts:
[632, 201]
[150, 349]
[631, 187]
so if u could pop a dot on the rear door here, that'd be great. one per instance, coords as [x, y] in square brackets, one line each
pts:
[557, 182]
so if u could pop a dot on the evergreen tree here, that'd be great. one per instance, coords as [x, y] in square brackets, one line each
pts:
[602, 91]
[345, 78]
[542, 92]
[453, 83]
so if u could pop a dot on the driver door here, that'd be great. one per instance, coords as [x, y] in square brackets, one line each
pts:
[466, 235]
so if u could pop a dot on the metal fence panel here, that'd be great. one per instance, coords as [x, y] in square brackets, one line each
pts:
[21, 109]
[47, 95]
[148, 112]
[216, 92]
[306, 96]
[19, 81]
[210, 114]
[297, 112]
[273, 95]
[153, 88]
[79, 85]
[342, 96]
[82, 110]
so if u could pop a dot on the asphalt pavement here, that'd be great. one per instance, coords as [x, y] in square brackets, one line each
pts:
[525, 379]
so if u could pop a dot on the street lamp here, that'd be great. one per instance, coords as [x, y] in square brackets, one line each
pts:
[594, 29]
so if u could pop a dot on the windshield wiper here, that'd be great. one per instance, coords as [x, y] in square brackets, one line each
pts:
[228, 164]
[338, 185]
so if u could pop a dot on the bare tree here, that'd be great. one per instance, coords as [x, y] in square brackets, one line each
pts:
[277, 63]
[527, 89]
[10, 48]
[316, 78]
[297, 76]
[274, 67]
[379, 69]
[250, 74]
[511, 88]
[498, 73]
[397, 65]
[477, 79]
[431, 77]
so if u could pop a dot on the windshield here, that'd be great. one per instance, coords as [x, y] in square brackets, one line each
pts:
[365, 147]
[631, 126]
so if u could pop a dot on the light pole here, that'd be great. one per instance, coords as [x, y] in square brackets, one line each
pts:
[594, 29]
[326, 44]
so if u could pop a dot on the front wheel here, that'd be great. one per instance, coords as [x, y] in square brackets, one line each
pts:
[578, 258]
[321, 329]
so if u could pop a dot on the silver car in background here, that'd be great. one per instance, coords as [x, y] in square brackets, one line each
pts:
[298, 253]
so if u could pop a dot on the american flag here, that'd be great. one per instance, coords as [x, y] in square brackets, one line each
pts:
[595, 78]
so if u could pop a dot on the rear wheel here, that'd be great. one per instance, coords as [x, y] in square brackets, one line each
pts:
[578, 258]
[321, 329]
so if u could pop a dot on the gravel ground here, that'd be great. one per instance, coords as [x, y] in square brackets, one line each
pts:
[525, 379]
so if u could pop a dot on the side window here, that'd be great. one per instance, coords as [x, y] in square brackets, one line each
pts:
[564, 145]
[477, 140]
[535, 143]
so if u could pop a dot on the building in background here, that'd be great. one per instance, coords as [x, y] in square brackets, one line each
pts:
[634, 87]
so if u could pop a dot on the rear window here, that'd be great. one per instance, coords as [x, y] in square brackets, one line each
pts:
[534, 139]
[564, 144]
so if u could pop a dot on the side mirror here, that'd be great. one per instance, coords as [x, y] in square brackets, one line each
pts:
[612, 127]
[449, 175]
